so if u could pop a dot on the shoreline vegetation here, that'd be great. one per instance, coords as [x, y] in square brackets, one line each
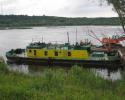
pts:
[26, 22]
[9, 28]
[57, 84]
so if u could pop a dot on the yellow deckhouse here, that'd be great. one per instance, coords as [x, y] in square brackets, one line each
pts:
[57, 51]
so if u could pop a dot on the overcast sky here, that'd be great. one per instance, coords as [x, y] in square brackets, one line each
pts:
[65, 8]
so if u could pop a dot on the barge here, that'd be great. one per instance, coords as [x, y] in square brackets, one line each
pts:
[49, 54]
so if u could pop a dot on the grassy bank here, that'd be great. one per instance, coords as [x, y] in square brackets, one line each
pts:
[76, 84]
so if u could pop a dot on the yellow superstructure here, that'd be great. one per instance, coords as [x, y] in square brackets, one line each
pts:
[57, 53]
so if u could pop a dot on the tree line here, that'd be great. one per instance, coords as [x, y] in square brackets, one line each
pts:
[24, 20]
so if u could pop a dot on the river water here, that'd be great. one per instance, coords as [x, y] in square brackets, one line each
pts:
[20, 38]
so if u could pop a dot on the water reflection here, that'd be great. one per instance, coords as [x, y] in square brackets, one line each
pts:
[35, 70]
[19, 68]
[109, 74]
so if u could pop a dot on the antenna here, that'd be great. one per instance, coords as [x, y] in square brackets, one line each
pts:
[32, 40]
[42, 39]
[68, 36]
[76, 35]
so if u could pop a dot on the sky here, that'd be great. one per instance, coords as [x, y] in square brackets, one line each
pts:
[63, 8]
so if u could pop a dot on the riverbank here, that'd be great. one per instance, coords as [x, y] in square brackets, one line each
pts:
[57, 84]
[34, 21]
[9, 28]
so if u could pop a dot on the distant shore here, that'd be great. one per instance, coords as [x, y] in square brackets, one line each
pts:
[8, 28]
[26, 22]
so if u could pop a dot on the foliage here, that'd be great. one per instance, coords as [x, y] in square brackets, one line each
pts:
[57, 84]
[27, 21]
[119, 7]
[3, 68]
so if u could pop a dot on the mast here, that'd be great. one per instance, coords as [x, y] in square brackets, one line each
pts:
[68, 36]
[42, 39]
[76, 35]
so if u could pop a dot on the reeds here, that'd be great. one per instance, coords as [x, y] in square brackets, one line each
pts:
[57, 84]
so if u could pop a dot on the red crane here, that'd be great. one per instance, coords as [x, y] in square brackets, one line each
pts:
[108, 42]
[106, 45]
[114, 40]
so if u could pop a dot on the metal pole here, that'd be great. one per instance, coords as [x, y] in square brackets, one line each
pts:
[76, 35]
[68, 36]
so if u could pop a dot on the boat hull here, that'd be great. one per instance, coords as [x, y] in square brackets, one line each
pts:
[65, 62]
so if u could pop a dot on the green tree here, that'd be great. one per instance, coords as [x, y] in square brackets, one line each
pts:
[119, 7]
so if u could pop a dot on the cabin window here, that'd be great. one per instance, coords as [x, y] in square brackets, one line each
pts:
[56, 53]
[30, 51]
[34, 52]
[69, 53]
[46, 53]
